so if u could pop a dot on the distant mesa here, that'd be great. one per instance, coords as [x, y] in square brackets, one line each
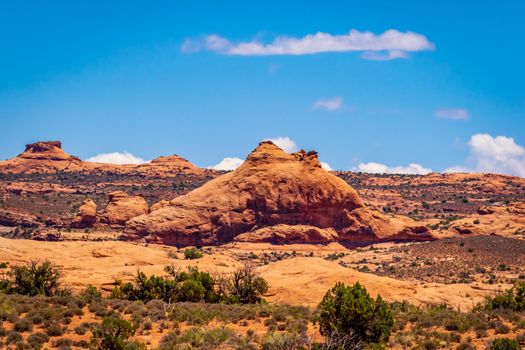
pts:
[41, 157]
[49, 157]
[271, 188]
[46, 150]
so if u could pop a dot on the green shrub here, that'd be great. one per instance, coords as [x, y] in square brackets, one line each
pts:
[512, 299]
[80, 329]
[198, 338]
[112, 334]
[13, 337]
[37, 339]
[193, 286]
[350, 314]
[282, 341]
[54, 329]
[23, 325]
[504, 344]
[90, 294]
[192, 253]
[243, 286]
[63, 343]
[33, 279]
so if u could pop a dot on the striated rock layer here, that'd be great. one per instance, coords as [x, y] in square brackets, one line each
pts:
[270, 188]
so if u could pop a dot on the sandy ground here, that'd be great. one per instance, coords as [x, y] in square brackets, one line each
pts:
[298, 280]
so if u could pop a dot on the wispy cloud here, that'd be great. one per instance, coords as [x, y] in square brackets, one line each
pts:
[116, 158]
[500, 154]
[391, 44]
[378, 168]
[228, 163]
[330, 104]
[452, 113]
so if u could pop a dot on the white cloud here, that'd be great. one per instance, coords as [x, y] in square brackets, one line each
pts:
[116, 158]
[389, 45]
[457, 169]
[384, 55]
[331, 104]
[228, 163]
[452, 113]
[488, 154]
[286, 143]
[378, 168]
[326, 166]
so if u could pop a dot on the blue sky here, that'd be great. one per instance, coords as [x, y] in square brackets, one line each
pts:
[147, 78]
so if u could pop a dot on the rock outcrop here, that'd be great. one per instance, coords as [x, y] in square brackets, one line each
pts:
[503, 220]
[86, 215]
[289, 234]
[122, 207]
[49, 157]
[41, 157]
[270, 188]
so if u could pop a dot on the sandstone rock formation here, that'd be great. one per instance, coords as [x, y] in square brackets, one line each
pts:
[49, 157]
[122, 207]
[503, 220]
[86, 215]
[12, 219]
[173, 163]
[270, 188]
[41, 157]
[289, 234]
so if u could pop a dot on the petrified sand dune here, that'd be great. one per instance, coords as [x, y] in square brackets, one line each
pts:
[270, 188]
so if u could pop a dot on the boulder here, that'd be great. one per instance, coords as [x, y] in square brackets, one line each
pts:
[122, 207]
[86, 215]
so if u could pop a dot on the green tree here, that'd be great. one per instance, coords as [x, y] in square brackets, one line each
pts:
[113, 334]
[349, 314]
[34, 278]
[243, 286]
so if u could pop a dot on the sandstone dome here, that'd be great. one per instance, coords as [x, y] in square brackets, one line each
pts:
[270, 188]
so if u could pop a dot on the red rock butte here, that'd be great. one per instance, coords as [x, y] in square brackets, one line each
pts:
[49, 157]
[271, 188]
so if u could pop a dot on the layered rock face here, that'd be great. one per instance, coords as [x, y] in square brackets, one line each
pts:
[122, 207]
[86, 215]
[270, 188]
